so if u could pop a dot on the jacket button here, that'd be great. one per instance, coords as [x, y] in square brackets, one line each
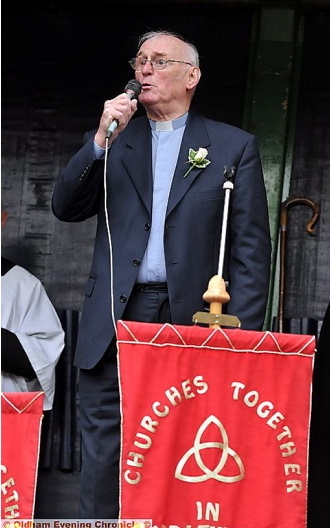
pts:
[147, 227]
[123, 298]
[136, 262]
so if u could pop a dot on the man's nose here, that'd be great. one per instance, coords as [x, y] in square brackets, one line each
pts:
[147, 67]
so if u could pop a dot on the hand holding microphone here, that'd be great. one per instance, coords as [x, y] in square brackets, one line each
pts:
[117, 111]
[132, 90]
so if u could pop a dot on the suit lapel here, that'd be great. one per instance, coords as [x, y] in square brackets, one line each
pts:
[195, 136]
[137, 159]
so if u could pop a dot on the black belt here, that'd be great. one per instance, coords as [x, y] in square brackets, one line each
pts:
[150, 286]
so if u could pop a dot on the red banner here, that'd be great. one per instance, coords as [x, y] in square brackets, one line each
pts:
[21, 415]
[215, 426]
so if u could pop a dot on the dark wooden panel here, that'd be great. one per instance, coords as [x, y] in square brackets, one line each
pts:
[308, 262]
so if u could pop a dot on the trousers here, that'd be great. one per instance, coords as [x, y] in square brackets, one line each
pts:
[100, 413]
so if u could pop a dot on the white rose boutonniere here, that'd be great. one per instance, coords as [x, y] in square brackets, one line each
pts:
[197, 158]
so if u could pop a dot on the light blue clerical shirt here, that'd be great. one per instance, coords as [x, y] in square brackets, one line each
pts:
[166, 142]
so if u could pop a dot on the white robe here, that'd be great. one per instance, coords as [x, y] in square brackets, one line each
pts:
[27, 311]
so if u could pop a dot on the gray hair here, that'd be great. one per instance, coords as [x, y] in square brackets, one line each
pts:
[151, 34]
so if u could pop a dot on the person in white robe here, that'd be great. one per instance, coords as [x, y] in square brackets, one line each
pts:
[32, 337]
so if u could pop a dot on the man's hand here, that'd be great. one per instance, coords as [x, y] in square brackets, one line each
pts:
[121, 109]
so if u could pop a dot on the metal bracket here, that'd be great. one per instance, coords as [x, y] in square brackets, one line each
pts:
[216, 319]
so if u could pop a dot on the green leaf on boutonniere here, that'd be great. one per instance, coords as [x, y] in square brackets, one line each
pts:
[197, 158]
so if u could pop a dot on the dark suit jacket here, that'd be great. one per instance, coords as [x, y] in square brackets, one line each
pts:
[192, 226]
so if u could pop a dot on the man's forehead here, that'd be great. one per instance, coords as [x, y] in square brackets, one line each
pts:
[161, 44]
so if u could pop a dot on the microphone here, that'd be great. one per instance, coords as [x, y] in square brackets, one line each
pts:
[132, 90]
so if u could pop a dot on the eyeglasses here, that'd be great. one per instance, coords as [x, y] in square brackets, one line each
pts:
[158, 64]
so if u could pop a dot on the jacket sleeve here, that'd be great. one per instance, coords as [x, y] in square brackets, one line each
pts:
[79, 188]
[249, 242]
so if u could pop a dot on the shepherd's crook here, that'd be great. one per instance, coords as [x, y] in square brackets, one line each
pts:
[284, 222]
[216, 294]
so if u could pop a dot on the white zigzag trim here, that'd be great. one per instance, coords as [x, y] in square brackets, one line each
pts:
[20, 411]
[210, 347]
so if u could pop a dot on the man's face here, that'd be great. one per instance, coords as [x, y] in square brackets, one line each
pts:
[165, 91]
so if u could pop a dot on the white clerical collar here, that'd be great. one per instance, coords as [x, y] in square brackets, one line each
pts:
[165, 126]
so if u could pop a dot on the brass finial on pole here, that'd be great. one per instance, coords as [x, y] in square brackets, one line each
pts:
[216, 294]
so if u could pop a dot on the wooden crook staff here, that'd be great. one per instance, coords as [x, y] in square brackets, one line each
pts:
[284, 222]
[216, 294]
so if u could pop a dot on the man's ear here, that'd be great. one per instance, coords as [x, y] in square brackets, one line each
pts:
[4, 217]
[194, 77]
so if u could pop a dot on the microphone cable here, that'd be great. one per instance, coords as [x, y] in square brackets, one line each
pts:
[106, 215]
[133, 90]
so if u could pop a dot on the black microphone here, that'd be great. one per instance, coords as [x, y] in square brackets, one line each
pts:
[132, 90]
